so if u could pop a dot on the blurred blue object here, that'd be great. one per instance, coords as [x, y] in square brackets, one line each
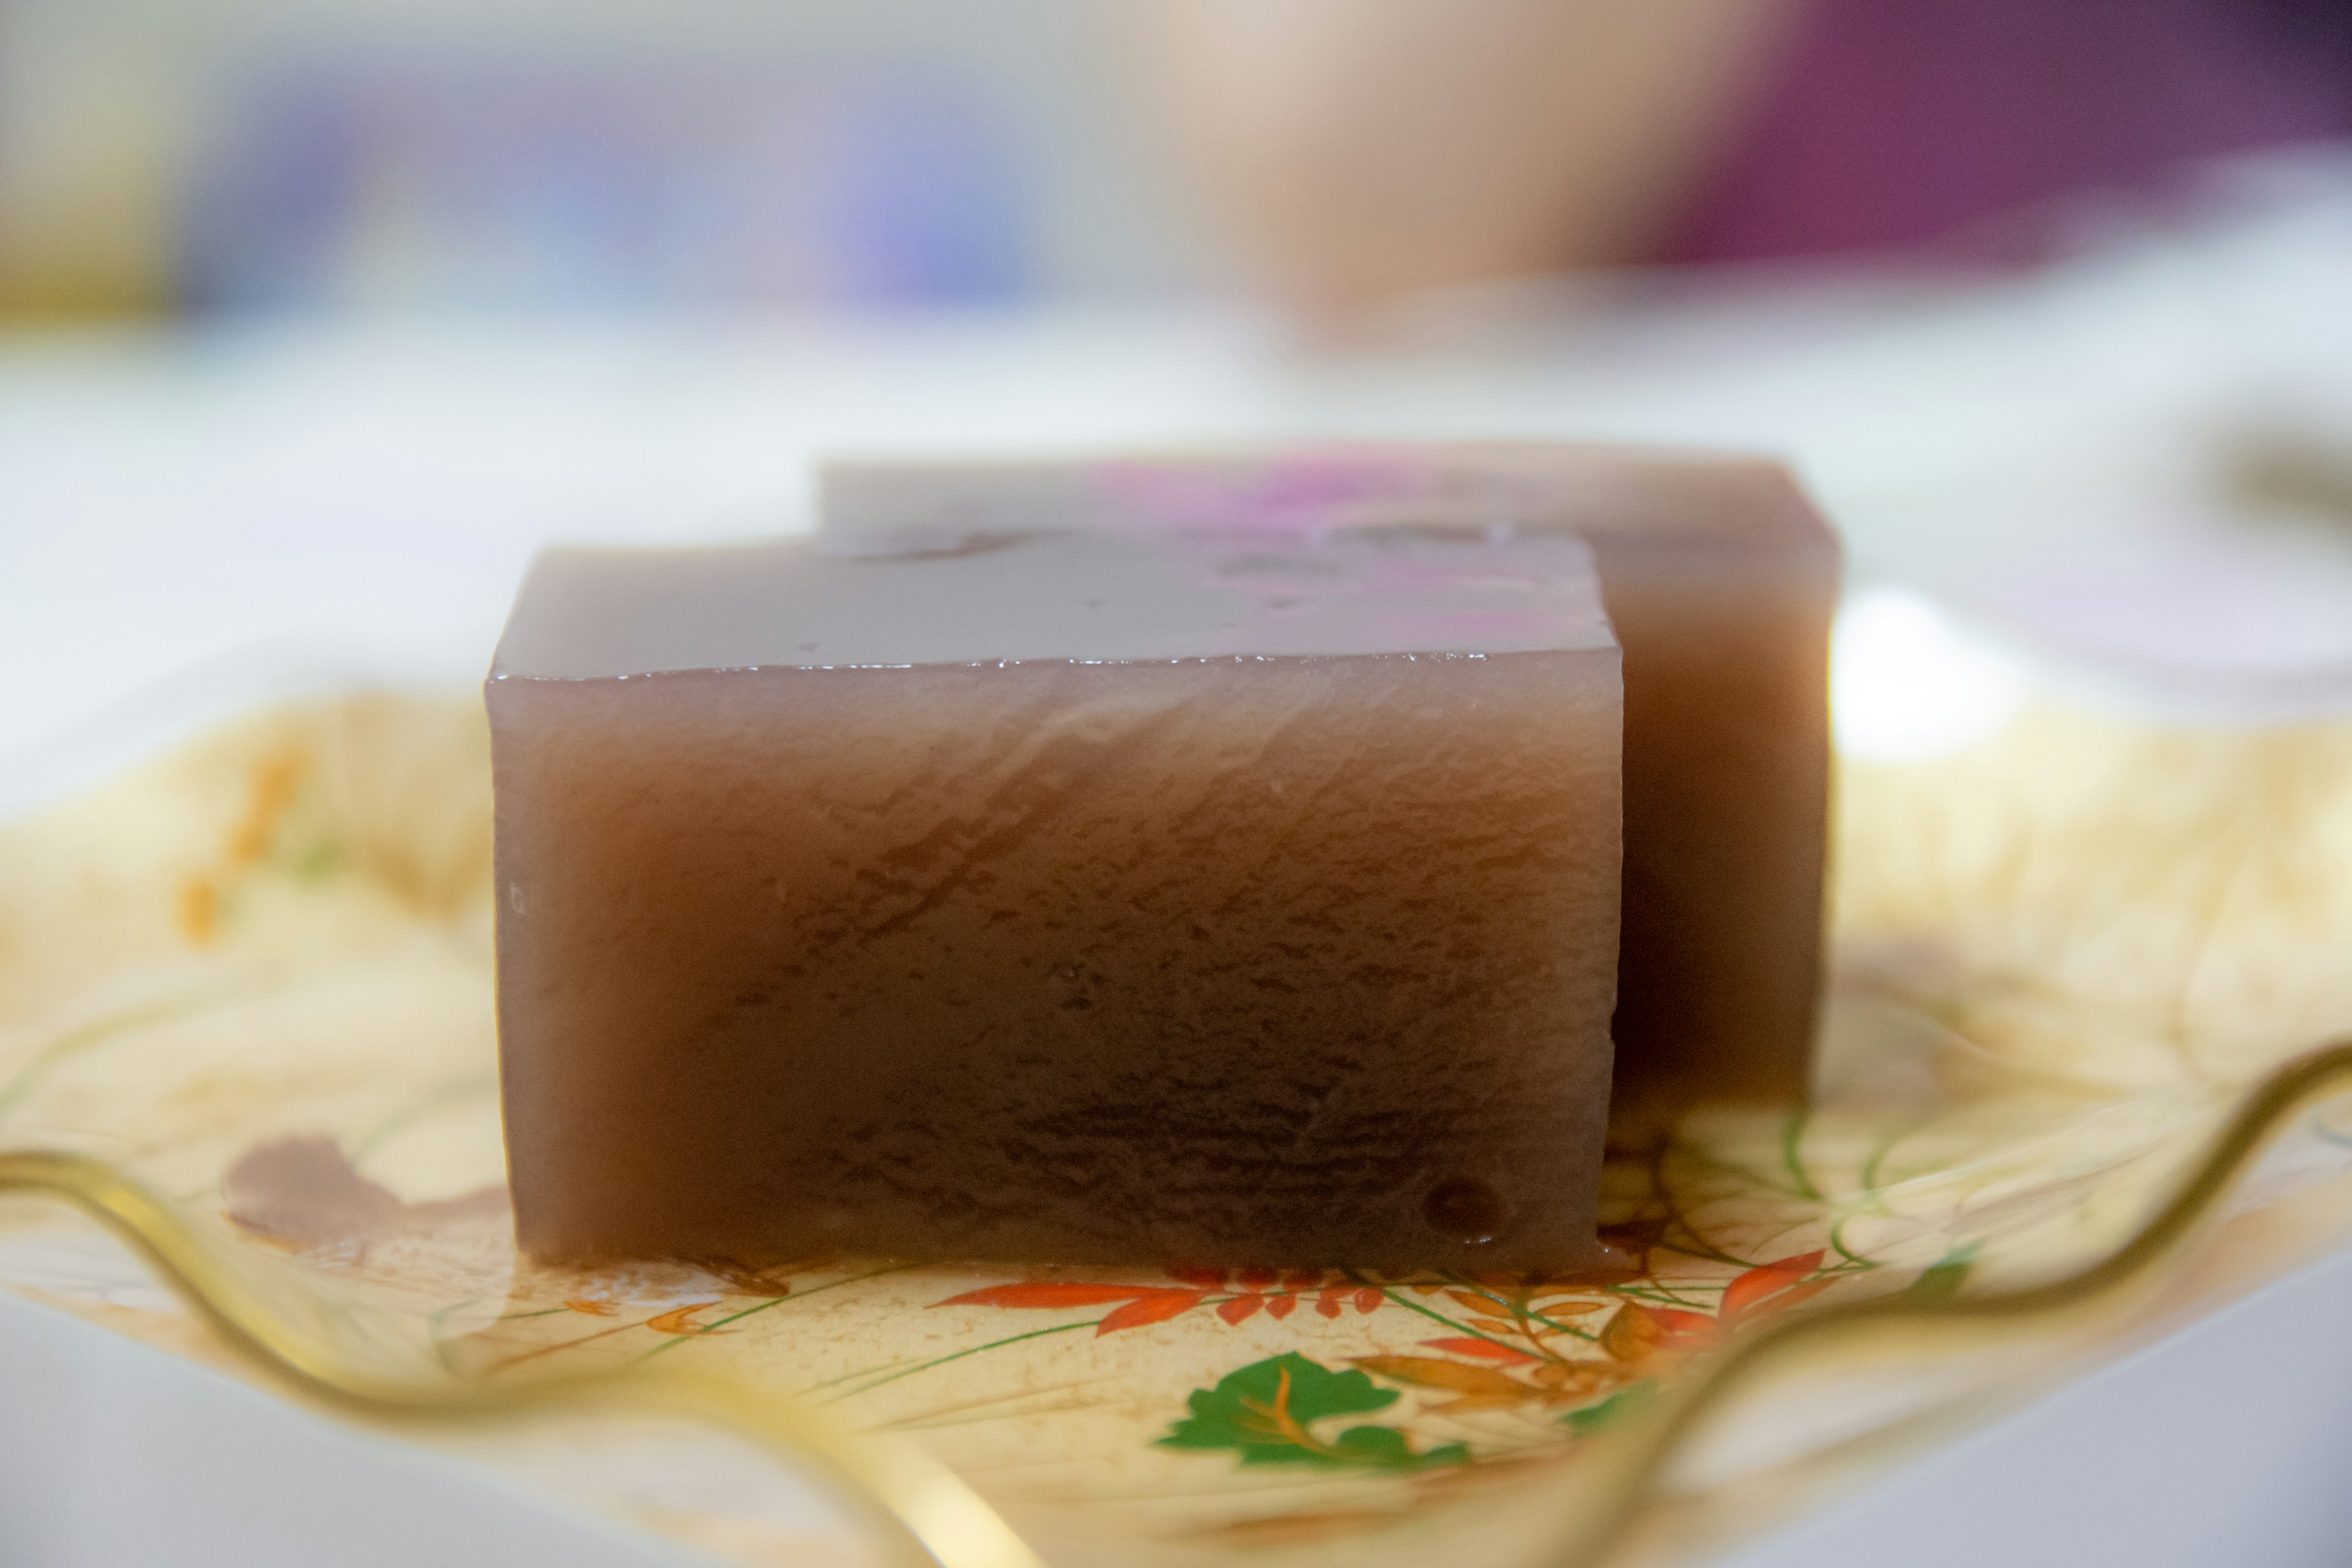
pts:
[342, 181]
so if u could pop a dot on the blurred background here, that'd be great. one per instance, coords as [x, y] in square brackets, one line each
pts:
[317, 316]
[237, 156]
[201, 158]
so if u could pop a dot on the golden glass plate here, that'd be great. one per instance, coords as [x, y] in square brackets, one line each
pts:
[2081, 970]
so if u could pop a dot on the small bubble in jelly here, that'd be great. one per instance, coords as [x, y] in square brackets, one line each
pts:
[1464, 1209]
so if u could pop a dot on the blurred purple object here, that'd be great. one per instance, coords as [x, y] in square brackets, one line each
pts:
[1903, 124]
[493, 182]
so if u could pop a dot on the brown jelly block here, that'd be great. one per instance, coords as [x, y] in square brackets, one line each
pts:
[1721, 580]
[1092, 897]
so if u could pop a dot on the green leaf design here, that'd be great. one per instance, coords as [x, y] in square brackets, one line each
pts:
[318, 863]
[1267, 1411]
[1943, 1281]
[1631, 1400]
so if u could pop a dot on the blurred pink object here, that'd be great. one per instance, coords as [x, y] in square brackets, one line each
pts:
[1897, 125]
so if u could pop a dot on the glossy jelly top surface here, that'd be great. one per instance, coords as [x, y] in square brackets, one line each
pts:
[1096, 596]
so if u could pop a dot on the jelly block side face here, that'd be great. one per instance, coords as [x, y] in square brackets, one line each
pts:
[1722, 582]
[1727, 814]
[1291, 960]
